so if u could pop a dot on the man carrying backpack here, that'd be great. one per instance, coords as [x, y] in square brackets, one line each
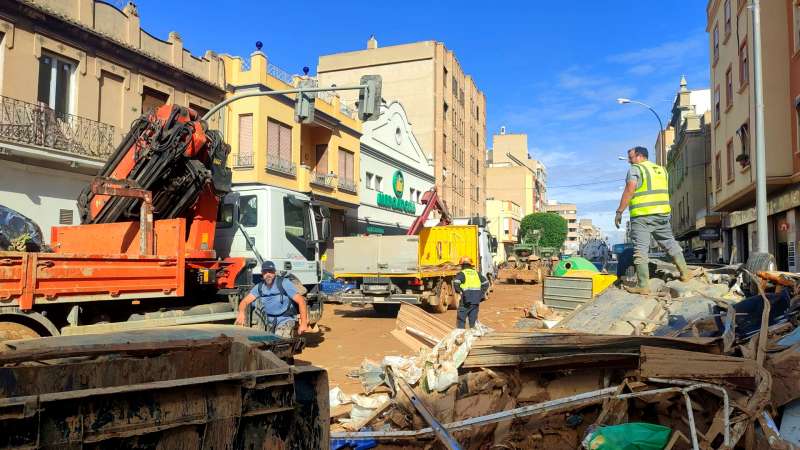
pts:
[279, 303]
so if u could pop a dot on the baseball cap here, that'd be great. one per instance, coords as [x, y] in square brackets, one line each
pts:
[268, 266]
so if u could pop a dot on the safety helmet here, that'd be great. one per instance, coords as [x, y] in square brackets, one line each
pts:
[465, 260]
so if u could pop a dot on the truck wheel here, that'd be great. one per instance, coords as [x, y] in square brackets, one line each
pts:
[386, 309]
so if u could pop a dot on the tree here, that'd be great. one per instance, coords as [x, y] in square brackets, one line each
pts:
[553, 226]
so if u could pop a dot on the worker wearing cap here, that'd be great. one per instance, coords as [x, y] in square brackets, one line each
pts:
[276, 298]
[472, 286]
[647, 196]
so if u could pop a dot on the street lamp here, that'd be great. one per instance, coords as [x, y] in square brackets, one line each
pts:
[623, 101]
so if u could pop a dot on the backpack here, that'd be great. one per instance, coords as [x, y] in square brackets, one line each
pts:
[285, 306]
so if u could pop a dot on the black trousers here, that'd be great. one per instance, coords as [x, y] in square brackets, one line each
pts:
[467, 311]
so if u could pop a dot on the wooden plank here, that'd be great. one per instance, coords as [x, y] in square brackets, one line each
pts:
[670, 363]
[413, 321]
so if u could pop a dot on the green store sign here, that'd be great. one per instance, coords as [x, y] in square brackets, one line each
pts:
[398, 204]
[398, 184]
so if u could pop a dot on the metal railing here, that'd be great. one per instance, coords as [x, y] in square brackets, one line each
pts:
[242, 160]
[322, 179]
[281, 166]
[280, 74]
[28, 123]
[347, 185]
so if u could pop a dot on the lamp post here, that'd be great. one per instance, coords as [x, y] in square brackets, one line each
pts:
[661, 136]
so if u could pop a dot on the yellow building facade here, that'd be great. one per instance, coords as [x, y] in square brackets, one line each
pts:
[504, 219]
[268, 147]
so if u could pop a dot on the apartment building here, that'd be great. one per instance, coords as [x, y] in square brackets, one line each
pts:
[568, 211]
[732, 137]
[443, 103]
[511, 173]
[689, 168]
[588, 231]
[74, 74]
[504, 219]
[321, 159]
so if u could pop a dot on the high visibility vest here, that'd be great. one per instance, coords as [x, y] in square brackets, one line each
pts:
[471, 279]
[652, 197]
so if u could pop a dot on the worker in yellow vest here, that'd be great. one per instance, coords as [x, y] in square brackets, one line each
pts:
[472, 286]
[647, 196]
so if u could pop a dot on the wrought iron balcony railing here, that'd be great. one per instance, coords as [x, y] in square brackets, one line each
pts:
[347, 185]
[322, 179]
[242, 160]
[27, 123]
[281, 166]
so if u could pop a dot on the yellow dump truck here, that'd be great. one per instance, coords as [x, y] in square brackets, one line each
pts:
[390, 270]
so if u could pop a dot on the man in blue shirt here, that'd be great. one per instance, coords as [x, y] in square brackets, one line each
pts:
[276, 303]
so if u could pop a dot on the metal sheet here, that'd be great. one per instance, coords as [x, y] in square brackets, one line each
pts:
[567, 293]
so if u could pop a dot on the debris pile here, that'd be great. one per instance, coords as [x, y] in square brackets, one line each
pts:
[703, 364]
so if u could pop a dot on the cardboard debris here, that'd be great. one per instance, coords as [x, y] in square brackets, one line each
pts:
[728, 376]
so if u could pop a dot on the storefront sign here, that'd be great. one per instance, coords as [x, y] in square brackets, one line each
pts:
[709, 234]
[398, 184]
[372, 229]
[786, 200]
[397, 204]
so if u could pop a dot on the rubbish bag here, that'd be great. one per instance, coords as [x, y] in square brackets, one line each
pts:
[628, 436]
[20, 233]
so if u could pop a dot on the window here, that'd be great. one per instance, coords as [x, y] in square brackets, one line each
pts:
[198, 109]
[279, 141]
[152, 100]
[378, 183]
[744, 139]
[248, 210]
[298, 226]
[744, 68]
[369, 180]
[245, 156]
[729, 87]
[797, 119]
[727, 9]
[446, 108]
[346, 165]
[716, 43]
[321, 159]
[718, 171]
[716, 105]
[55, 82]
[729, 160]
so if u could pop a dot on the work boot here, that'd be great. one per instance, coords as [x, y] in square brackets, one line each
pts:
[683, 268]
[643, 275]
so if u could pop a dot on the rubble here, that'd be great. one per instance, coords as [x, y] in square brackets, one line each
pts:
[713, 368]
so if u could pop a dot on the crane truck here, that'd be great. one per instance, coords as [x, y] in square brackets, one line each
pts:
[161, 241]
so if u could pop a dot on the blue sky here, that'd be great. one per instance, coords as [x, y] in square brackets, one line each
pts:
[549, 69]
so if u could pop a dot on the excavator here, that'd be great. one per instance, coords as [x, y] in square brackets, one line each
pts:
[144, 255]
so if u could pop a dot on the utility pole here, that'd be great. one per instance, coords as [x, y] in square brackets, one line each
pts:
[760, 156]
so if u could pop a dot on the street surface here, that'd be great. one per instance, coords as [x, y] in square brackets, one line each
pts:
[347, 335]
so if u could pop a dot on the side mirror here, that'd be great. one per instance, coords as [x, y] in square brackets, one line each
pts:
[326, 228]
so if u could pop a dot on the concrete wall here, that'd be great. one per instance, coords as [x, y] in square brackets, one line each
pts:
[512, 183]
[40, 193]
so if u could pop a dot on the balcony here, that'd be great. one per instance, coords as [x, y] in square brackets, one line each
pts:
[27, 123]
[281, 166]
[347, 185]
[242, 161]
[322, 180]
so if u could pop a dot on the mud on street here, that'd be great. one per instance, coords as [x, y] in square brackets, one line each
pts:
[347, 335]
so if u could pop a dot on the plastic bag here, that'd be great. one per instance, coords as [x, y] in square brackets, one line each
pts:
[628, 436]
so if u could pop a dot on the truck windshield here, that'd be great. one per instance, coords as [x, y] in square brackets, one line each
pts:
[298, 226]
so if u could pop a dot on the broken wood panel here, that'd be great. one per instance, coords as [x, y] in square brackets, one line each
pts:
[669, 363]
[416, 329]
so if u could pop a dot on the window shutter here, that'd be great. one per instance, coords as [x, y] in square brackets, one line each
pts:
[246, 137]
[273, 140]
[286, 143]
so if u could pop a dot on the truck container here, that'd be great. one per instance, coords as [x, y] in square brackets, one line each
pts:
[390, 270]
[198, 387]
